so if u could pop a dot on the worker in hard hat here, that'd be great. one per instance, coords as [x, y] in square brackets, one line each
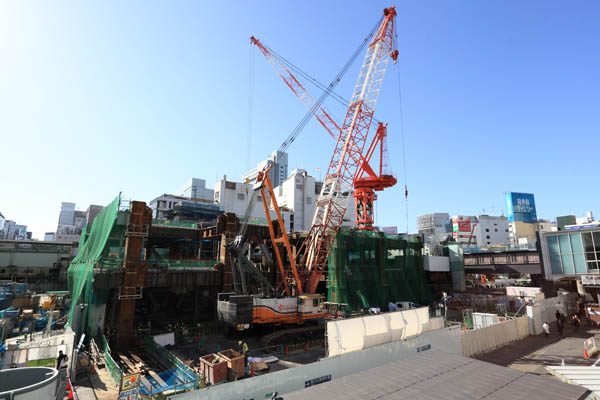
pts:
[244, 351]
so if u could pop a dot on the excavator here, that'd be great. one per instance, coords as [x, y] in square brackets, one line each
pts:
[295, 299]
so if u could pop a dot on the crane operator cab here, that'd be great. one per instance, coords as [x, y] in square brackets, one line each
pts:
[310, 304]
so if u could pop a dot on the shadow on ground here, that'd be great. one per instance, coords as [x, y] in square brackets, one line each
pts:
[533, 353]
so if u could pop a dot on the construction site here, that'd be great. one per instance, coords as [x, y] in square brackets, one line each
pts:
[193, 301]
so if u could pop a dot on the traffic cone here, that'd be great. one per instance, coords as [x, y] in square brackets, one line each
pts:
[585, 353]
[306, 346]
[68, 384]
[70, 396]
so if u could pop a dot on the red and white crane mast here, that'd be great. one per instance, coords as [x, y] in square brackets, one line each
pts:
[347, 156]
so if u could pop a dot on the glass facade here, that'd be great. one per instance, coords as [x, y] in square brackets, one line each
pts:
[574, 252]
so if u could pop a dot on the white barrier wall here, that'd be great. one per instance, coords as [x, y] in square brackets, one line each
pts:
[354, 334]
[545, 311]
[479, 341]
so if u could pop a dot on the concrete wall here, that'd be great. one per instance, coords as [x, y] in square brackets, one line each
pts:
[289, 380]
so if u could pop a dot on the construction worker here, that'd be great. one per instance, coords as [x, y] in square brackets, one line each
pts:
[244, 351]
[243, 347]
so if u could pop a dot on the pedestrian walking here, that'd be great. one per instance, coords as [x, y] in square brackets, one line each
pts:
[559, 325]
[576, 322]
[61, 360]
[546, 329]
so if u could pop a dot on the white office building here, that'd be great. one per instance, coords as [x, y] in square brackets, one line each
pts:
[278, 172]
[196, 188]
[491, 231]
[435, 227]
[296, 197]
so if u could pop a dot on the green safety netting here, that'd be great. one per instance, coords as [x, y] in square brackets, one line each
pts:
[371, 269]
[80, 275]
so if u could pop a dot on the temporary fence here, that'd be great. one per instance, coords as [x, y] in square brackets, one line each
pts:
[544, 310]
[479, 341]
[371, 269]
[113, 368]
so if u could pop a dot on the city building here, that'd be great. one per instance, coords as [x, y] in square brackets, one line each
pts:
[67, 214]
[2, 219]
[545, 225]
[21, 233]
[522, 233]
[298, 194]
[429, 225]
[8, 232]
[169, 206]
[564, 220]
[71, 222]
[296, 197]
[91, 213]
[462, 229]
[491, 231]
[278, 172]
[588, 219]
[570, 253]
[235, 198]
[195, 188]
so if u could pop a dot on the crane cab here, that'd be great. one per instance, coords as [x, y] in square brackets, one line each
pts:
[310, 305]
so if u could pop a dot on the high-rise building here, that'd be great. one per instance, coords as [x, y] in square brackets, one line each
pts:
[491, 231]
[278, 172]
[71, 222]
[67, 214]
[435, 227]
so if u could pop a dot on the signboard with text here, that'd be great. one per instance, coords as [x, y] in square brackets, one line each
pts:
[520, 207]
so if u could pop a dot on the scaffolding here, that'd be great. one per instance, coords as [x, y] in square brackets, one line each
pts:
[371, 269]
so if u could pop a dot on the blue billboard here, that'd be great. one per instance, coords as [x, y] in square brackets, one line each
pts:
[520, 207]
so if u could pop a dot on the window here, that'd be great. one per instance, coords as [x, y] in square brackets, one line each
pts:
[259, 197]
[315, 302]
[308, 200]
[487, 237]
[241, 196]
[495, 230]
[230, 185]
[299, 186]
[506, 230]
[487, 229]
[216, 195]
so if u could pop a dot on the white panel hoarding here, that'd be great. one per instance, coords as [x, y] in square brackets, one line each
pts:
[354, 334]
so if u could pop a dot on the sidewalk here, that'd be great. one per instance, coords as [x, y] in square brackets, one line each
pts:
[534, 352]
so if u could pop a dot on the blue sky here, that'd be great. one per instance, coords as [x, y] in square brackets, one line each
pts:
[139, 96]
